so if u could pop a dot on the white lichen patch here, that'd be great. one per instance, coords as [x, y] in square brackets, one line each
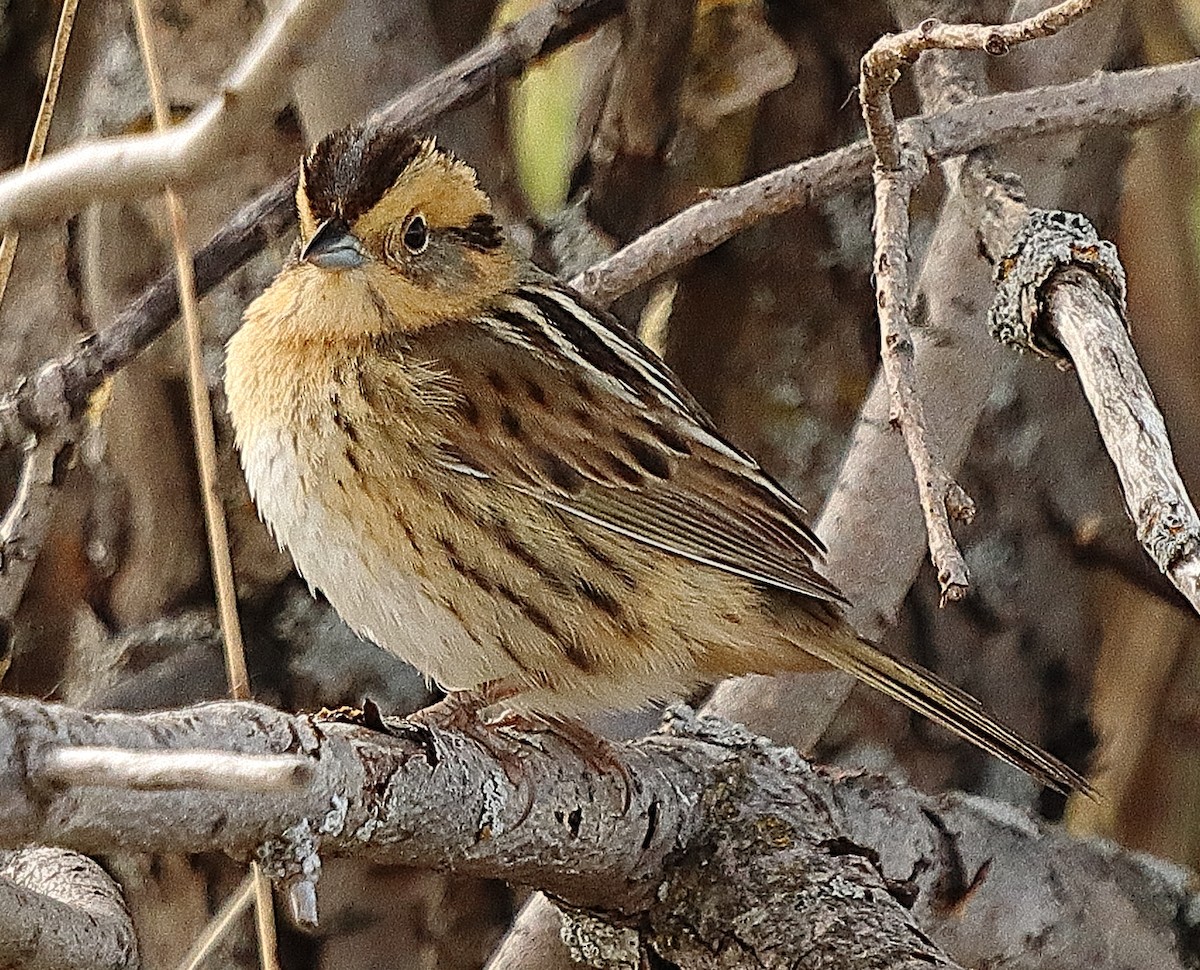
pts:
[596, 943]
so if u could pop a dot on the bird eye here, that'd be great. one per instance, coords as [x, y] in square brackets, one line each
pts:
[416, 234]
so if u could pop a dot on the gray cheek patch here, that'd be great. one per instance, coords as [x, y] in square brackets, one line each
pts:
[442, 266]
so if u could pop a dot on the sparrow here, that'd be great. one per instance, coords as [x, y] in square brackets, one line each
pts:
[490, 476]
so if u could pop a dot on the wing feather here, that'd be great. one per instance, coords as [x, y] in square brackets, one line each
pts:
[560, 403]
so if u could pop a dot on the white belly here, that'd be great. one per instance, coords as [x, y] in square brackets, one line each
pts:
[369, 586]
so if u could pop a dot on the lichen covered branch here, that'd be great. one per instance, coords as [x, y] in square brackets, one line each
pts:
[1082, 316]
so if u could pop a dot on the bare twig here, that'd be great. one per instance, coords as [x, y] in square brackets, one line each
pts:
[1061, 289]
[231, 910]
[41, 127]
[61, 910]
[175, 770]
[201, 407]
[895, 175]
[941, 497]
[139, 164]
[882, 63]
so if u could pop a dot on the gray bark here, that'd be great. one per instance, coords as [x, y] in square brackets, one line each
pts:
[730, 852]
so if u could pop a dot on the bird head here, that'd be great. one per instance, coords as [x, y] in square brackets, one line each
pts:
[397, 229]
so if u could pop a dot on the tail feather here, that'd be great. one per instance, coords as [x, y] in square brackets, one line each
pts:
[947, 706]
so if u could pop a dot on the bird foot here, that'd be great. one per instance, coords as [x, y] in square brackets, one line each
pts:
[457, 711]
[596, 751]
[460, 711]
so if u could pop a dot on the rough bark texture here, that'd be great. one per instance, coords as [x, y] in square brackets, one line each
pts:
[59, 909]
[730, 852]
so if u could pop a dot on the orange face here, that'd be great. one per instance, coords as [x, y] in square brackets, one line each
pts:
[426, 250]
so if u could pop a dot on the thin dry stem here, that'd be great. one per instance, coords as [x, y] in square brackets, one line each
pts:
[882, 63]
[41, 127]
[201, 406]
[940, 495]
[174, 770]
[206, 455]
[264, 919]
[231, 910]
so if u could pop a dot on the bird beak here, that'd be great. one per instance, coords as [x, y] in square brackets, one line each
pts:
[333, 246]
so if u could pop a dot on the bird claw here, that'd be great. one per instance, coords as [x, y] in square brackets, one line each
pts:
[459, 711]
[595, 750]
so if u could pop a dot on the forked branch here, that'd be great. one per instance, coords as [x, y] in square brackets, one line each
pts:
[896, 173]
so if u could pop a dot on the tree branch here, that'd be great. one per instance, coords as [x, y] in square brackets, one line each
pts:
[27, 522]
[1083, 317]
[1117, 99]
[853, 868]
[1092, 330]
[896, 174]
[1061, 293]
[882, 63]
[60, 910]
[139, 165]
[940, 495]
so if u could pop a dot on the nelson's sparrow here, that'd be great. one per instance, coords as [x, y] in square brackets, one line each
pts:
[492, 478]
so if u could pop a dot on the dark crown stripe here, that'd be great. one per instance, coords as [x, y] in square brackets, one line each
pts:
[348, 171]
